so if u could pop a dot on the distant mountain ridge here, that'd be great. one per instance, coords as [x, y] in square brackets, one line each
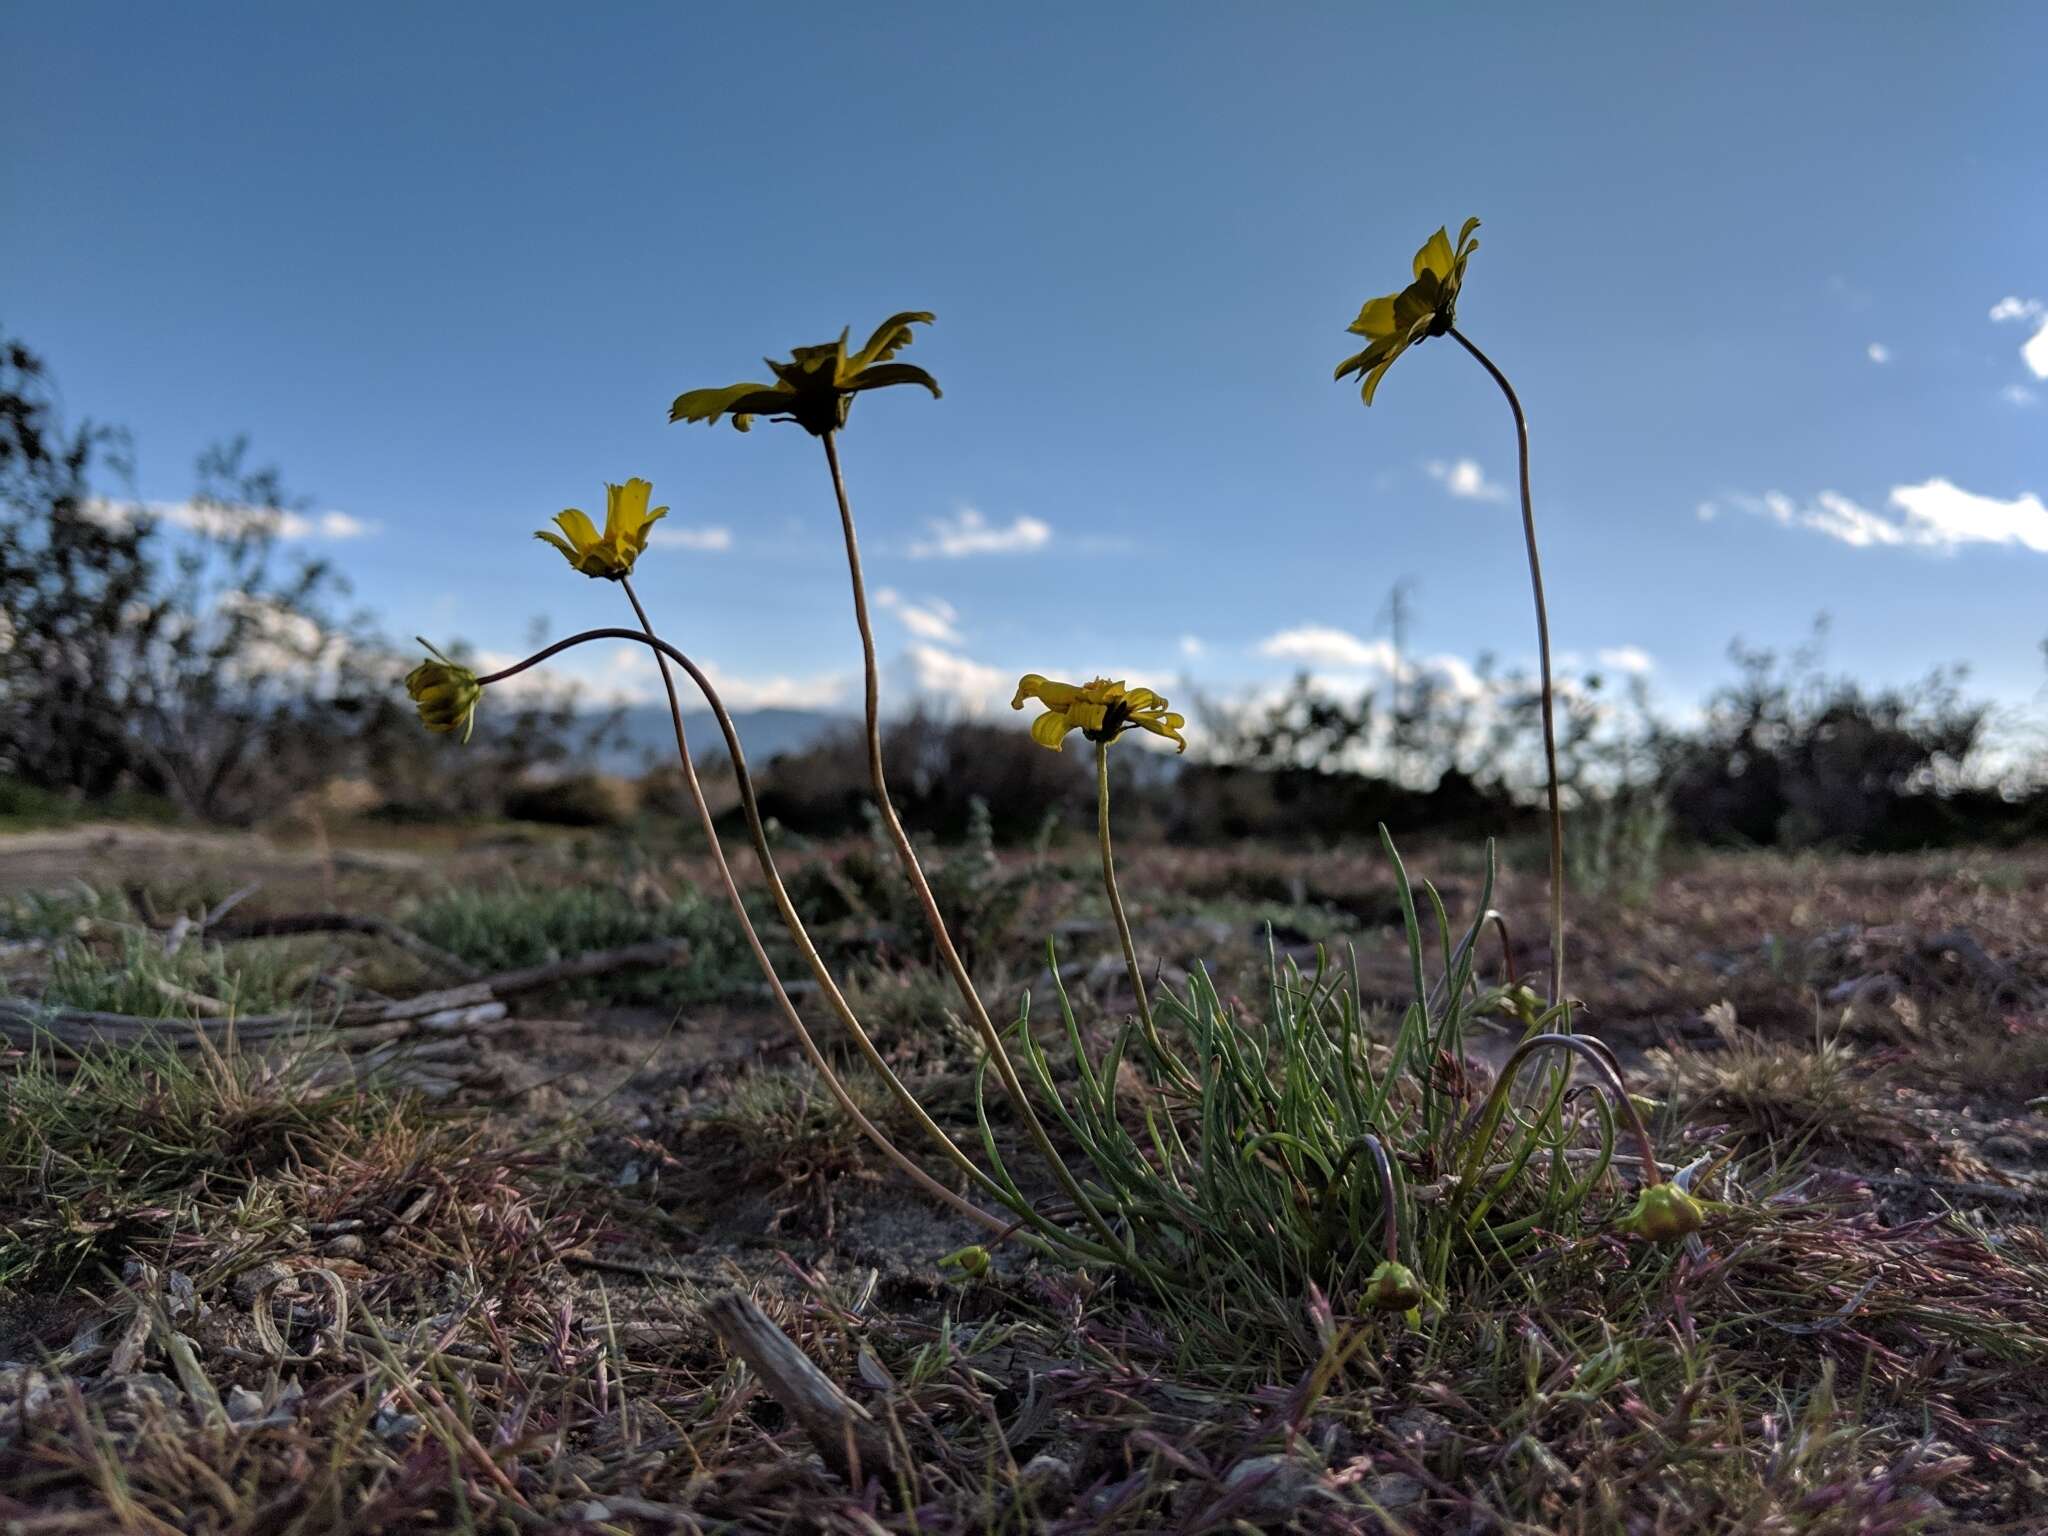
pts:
[649, 737]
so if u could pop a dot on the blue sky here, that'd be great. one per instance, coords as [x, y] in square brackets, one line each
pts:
[447, 265]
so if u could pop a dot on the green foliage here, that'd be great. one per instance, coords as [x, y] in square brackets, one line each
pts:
[1239, 1193]
[509, 926]
[140, 977]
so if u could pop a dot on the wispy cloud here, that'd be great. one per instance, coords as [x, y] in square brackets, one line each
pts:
[2018, 394]
[969, 685]
[221, 521]
[2015, 310]
[1936, 514]
[1464, 478]
[705, 539]
[1191, 646]
[931, 618]
[1878, 353]
[1627, 658]
[1321, 645]
[970, 533]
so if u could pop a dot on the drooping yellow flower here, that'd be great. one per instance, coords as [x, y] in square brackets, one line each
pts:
[815, 388]
[1427, 307]
[445, 694]
[1101, 710]
[626, 521]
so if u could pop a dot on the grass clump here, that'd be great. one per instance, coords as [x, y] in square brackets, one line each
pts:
[106, 1151]
[514, 925]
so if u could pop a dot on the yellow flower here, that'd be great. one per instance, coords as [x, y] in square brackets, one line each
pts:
[815, 388]
[1427, 307]
[445, 693]
[1101, 710]
[626, 521]
[1664, 1213]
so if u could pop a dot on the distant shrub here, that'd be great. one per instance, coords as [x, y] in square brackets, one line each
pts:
[579, 800]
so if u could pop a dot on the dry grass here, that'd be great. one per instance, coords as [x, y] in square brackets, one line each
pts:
[242, 1300]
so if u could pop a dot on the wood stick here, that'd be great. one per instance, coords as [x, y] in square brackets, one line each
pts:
[452, 1009]
[844, 1433]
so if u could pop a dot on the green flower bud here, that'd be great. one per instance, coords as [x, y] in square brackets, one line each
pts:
[969, 1263]
[1664, 1213]
[1393, 1287]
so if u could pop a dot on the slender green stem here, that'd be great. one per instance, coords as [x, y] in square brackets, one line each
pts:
[1604, 1067]
[1390, 1220]
[1116, 900]
[1167, 1061]
[1557, 991]
[906, 855]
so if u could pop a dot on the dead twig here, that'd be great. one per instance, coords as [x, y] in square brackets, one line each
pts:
[845, 1434]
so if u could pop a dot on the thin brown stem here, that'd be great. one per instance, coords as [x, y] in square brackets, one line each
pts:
[1557, 991]
[810, 1046]
[906, 855]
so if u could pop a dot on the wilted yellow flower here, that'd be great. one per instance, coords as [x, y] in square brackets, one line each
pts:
[1393, 1287]
[445, 693]
[1101, 710]
[815, 388]
[1664, 1213]
[626, 521]
[1427, 307]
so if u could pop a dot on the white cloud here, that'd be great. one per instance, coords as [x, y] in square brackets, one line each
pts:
[969, 533]
[1943, 514]
[1191, 646]
[1319, 645]
[2018, 394]
[706, 539]
[1936, 514]
[1878, 352]
[2034, 353]
[221, 521]
[1464, 478]
[1627, 658]
[931, 618]
[973, 687]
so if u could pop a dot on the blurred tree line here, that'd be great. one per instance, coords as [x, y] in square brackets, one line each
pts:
[197, 661]
[200, 662]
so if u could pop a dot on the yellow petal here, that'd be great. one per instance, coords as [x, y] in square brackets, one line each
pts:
[1435, 255]
[568, 552]
[625, 506]
[581, 530]
[1050, 729]
[1055, 695]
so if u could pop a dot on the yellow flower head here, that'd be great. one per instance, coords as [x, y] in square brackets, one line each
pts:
[1664, 1213]
[1101, 710]
[1427, 307]
[445, 693]
[1393, 1287]
[626, 521]
[815, 388]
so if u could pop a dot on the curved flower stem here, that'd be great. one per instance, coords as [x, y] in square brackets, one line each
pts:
[1604, 1067]
[810, 1046]
[1390, 1221]
[906, 855]
[1557, 992]
[1166, 1060]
